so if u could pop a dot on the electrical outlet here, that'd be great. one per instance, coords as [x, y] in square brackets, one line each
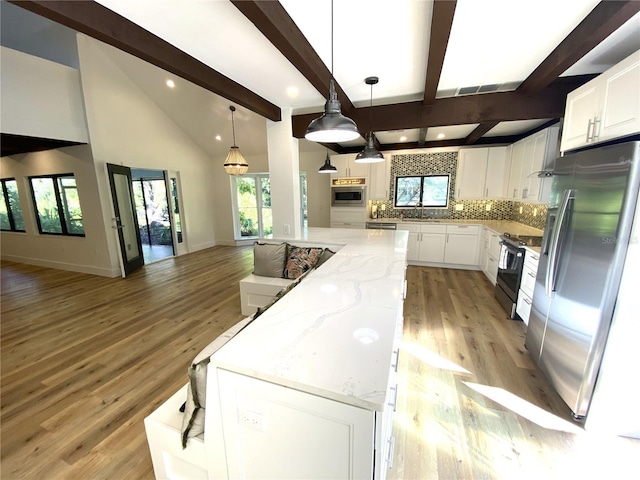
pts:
[252, 420]
[286, 229]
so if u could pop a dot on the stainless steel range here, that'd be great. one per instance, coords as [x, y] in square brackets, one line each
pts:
[510, 266]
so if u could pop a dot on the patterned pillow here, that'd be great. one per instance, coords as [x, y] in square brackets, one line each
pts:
[301, 259]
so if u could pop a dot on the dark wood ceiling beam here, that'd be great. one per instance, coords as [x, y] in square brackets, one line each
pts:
[99, 22]
[488, 107]
[276, 25]
[422, 136]
[441, 21]
[603, 20]
[479, 131]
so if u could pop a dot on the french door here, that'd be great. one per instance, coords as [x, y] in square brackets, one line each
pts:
[126, 222]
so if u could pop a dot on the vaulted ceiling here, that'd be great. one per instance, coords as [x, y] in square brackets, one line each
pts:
[475, 71]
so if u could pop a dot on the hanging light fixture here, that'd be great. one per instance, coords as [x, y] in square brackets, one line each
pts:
[327, 167]
[235, 164]
[332, 126]
[370, 154]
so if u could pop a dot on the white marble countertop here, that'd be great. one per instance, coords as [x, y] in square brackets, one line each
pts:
[333, 334]
[498, 226]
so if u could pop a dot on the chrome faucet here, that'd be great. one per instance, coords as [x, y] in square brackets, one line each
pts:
[419, 204]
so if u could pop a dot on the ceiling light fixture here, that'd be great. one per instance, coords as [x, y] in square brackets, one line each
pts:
[370, 154]
[235, 164]
[327, 167]
[332, 126]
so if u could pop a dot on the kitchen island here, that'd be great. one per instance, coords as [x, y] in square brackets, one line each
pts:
[307, 390]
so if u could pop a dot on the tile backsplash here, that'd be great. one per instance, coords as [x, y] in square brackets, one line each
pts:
[530, 214]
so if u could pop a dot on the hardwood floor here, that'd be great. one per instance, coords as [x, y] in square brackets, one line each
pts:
[86, 358]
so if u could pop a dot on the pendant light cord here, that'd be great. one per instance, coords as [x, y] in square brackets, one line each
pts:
[233, 125]
[331, 38]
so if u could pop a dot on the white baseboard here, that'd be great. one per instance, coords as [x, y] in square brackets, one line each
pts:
[72, 267]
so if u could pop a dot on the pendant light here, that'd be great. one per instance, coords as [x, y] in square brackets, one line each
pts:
[370, 154]
[235, 164]
[332, 126]
[327, 167]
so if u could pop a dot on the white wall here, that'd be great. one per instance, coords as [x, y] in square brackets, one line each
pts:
[318, 189]
[89, 254]
[127, 128]
[41, 98]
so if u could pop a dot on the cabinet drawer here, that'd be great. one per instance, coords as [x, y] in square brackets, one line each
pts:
[495, 245]
[464, 229]
[433, 228]
[532, 259]
[523, 306]
[528, 282]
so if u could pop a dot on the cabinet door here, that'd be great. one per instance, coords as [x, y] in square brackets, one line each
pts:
[471, 173]
[432, 247]
[620, 100]
[527, 168]
[517, 156]
[581, 109]
[271, 431]
[358, 169]
[380, 177]
[461, 249]
[497, 176]
[413, 247]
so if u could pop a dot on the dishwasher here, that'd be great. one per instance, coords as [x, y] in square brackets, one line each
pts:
[381, 226]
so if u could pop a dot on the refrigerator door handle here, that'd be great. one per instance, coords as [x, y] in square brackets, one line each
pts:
[552, 268]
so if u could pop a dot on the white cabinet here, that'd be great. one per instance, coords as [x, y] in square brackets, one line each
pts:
[527, 284]
[605, 108]
[490, 254]
[426, 242]
[379, 179]
[347, 167]
[348, 217]
[445, 244]
[462, 245]
[482, 173]
[530, 156]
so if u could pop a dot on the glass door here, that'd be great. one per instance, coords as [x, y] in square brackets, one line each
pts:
[126, 223]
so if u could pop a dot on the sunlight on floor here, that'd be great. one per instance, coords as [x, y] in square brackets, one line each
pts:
[526, 409]
[431, 358]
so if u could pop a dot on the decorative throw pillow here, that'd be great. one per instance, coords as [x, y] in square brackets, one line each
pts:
[324, 256]
[301, 259]
[269, 259]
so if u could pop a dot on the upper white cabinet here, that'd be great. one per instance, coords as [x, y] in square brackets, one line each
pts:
[347, 167]
[482, 173]
[605, 108]
[529, 157]
[379, 180]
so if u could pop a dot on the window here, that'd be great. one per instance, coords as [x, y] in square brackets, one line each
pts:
[252, 204]
[253, 195]
[428, 191]
[57, 204]
[10, 210]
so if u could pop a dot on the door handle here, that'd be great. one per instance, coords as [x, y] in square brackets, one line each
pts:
[590, 125]
[552, 267]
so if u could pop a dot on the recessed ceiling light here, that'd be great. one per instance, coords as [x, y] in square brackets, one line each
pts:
[441, 136]
[403, 138]
[292, 92]
[171, 84]
[218, 137]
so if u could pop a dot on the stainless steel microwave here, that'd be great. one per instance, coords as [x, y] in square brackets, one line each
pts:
[351, 196]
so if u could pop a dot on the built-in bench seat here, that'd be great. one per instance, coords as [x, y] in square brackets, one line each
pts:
[256, 291]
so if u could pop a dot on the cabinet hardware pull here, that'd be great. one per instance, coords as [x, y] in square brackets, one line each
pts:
[392, 445]
[515, 192]
[395, 398]
[395, 365]
[596, 129]
[535, 257]
[531, 274]
[589, 126]
[526, 300]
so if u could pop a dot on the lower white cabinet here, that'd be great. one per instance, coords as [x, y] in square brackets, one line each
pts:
[454, 245]
[348, 217]
[527, 284]
[490, 254]
[462, 244]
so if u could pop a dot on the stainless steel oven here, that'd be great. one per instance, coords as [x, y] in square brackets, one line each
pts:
[351, 196]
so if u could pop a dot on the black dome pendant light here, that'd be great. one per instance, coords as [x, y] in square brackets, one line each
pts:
[327, 167]
[332, 126]
[370, 154]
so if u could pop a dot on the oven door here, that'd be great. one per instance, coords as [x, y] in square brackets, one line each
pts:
[510, 269]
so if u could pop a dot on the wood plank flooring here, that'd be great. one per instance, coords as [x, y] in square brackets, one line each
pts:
[86, 358]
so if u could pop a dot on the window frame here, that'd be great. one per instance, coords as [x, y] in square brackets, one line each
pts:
[421, 201]
[257, 177]
[60, 204]
[10, 214]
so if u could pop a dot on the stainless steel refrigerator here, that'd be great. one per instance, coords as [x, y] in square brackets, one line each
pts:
[591, 213]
